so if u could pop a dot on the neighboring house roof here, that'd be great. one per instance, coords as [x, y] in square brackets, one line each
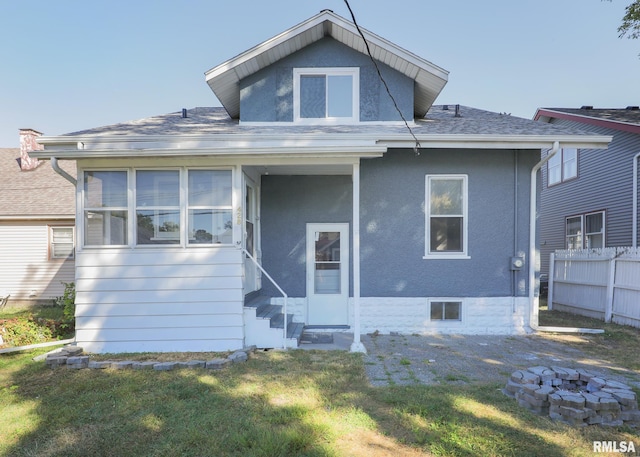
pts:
[211, 130]
[34, 194]
[624, 119]
[224, 79]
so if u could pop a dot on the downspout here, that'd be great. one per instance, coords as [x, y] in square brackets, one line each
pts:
[533, 302]
[72, 180]
[634, 217]
[61, 172]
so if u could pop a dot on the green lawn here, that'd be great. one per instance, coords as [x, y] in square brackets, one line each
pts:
[294, 403]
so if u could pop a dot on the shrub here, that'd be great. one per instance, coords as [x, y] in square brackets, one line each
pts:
[23, 331]
[68, 304]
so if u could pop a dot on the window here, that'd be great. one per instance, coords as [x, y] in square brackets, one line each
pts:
[105, 208]
[210, 207]
[158, 206]
[171, 207]
[446, 216]
[326, 95]
[585, 231]
[446, 310]
[563, 166]
[61, 243]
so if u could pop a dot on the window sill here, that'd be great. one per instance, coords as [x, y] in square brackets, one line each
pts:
[446, 257]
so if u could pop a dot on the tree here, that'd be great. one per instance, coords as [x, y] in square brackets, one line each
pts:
[631, 21]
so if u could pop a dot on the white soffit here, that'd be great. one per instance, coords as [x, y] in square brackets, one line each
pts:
[224, 79]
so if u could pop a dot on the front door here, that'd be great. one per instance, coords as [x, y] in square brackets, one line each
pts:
[328, 273]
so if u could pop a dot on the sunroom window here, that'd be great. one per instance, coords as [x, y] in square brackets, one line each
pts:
[105, 208]
[210, 207]
[326, 95]
[179, 206]
[158, 206]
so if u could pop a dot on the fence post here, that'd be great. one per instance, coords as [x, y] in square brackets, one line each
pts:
[552, 268]
[608, 306]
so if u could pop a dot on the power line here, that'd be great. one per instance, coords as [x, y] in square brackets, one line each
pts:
[375, 64]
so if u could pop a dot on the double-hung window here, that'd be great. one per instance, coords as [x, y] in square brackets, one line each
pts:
[585, 231]
[105, 208]
[563, 166]
[446, 216]
[209, 207]
[61, 242]
[158, 206]
[326, 95]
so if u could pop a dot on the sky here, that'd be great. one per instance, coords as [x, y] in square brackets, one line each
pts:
[69, 65]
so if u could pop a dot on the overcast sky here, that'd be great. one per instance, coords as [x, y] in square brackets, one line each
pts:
[69, 65]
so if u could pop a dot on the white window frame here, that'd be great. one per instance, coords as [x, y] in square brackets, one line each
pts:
[131, 209]
[52, 242]
[561, 162]
[164, 238]
[582, 234]
[354, 72]
[85, 209]
[464, 253]
[445, 300]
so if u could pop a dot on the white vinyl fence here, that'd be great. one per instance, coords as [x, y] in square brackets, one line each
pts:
[600, 283]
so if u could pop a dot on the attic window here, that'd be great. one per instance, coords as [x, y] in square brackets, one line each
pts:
[326, 95]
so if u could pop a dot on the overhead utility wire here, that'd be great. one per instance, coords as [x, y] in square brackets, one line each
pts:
[375, 64]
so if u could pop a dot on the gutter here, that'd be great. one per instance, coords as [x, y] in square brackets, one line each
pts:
[634, 217]
[533, 301]
[61, 172]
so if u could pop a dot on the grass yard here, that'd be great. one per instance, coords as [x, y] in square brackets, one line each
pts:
[295, 403]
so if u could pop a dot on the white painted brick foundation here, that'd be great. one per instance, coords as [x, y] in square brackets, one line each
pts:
[480, 315]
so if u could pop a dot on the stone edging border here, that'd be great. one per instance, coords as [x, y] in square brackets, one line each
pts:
[72, 358]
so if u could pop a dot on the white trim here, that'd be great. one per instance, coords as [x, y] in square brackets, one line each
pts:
[464, 253]
[354, 72]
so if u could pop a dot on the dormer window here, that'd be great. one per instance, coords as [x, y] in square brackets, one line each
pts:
[326, 95]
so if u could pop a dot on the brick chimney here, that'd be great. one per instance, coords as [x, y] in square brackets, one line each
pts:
[28, 144]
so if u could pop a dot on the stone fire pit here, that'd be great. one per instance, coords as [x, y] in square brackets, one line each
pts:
[574, 396]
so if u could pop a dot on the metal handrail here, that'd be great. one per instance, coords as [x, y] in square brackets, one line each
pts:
[284, 295]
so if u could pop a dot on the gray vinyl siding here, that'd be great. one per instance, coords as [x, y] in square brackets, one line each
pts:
[604, 183]
[267, 96]
[392, 223]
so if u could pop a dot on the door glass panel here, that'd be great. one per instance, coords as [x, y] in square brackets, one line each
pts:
[327, 263]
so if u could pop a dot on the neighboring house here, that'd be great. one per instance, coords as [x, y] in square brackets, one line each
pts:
[310, 169]
[589, 199]
[37, 216]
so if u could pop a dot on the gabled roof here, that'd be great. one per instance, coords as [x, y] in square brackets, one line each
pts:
[224, 79]
[624, 119]
[35, 194]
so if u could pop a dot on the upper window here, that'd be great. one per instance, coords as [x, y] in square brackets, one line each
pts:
[61, 242]
[562, 166]
[446, 216]
[326, 95]
[585, 231]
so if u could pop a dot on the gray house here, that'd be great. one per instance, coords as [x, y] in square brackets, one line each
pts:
[589, 199]
[312, 194]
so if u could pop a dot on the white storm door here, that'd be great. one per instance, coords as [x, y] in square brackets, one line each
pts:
[328, 274]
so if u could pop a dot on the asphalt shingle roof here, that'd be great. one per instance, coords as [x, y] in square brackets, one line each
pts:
[628, 116]
[438, 121]
[38, 192]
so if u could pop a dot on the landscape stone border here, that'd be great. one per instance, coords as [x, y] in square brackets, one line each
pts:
[72, 357]
[574, 396]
